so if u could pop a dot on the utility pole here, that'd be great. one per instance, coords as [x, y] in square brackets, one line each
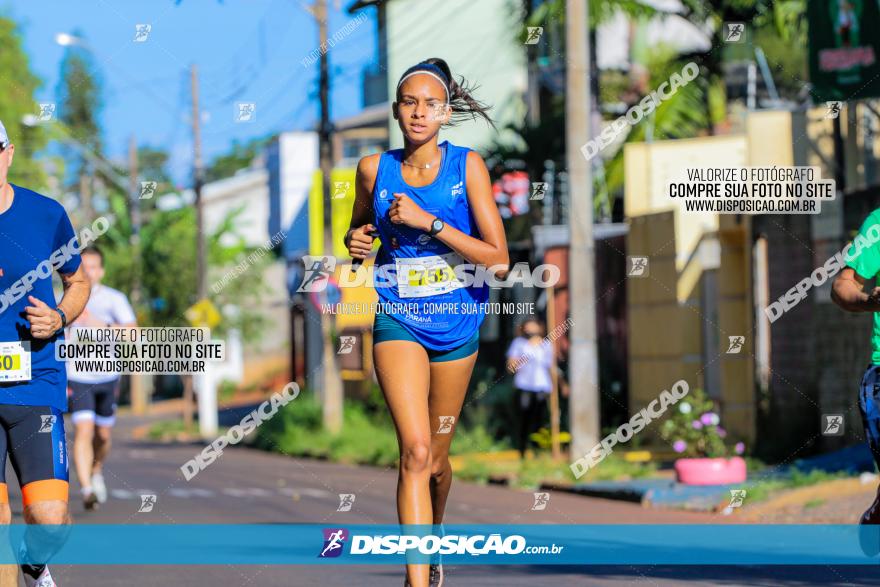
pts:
[583, 358]
[135, 208]
[330, 379]
[138, 389]
[201, 287]
[85, 193]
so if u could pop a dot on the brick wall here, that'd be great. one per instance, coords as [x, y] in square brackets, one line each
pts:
[818, 352]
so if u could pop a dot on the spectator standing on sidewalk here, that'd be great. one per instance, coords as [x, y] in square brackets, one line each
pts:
[530, 359]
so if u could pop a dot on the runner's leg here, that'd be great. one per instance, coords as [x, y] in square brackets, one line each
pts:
[403, 373]
[82, 408]
[38, 452]
[869, 408]
[449, 384]
[101, 447]
[83, 451]
[8, 573]
[105, 418]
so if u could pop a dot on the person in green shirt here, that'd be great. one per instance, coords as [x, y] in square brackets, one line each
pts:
[848, 292]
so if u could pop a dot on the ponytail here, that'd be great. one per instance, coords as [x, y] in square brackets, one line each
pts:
[462, 103]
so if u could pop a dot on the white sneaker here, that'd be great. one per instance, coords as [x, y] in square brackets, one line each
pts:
[99, 487]
[44, 580]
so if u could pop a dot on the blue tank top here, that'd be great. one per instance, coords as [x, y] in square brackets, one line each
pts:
[416, 285]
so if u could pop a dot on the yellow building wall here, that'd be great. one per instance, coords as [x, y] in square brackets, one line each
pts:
[665, 325]
[658, 324]
[342, 203]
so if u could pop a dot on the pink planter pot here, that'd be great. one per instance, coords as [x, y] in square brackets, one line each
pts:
[710, 471]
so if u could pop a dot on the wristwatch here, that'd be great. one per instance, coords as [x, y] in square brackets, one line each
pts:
[63, 318]
[436, 226]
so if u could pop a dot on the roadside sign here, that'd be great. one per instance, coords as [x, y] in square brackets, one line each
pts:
[203, 314]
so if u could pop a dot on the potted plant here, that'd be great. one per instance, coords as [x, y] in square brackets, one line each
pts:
[694, 431]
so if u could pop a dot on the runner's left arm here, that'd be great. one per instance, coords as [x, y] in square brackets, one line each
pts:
[76, 293]
[46, 321]
[491, 248]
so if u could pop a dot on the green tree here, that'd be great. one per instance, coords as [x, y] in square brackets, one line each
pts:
[153, 166]
[239, 157]
[79, 107]
[169, 271]
[16, 104]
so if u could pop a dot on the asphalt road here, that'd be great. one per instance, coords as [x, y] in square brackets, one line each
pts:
[248, 486]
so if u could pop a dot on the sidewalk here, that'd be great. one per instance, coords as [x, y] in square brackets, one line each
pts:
[841, 501]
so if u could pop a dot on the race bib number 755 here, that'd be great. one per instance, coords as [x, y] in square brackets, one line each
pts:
[420, 277]
[15, 361]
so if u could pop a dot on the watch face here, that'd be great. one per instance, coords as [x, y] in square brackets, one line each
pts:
[437, 225]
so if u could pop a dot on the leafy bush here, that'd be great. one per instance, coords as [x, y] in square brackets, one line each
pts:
[475, 439]
[297, 430]
[544, 439]
[531, 473]
[226, 390]
[694, 428]
[166, 429]
[367, 435]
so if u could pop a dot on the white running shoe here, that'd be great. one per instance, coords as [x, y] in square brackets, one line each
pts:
[44, 580]
[99, 487]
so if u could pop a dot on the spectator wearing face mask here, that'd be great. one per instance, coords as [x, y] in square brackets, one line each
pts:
[530, 359]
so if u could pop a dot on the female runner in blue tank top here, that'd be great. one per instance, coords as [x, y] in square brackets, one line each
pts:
[432, 208]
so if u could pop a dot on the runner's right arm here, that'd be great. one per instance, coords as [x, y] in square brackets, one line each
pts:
[360, 243]
[862, 264]
[848, 293]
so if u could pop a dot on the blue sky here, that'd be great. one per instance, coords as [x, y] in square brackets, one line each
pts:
[246, 51]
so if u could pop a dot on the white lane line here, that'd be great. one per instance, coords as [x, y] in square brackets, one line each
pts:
[246, 492]
[141, 453]
[241, 492]
[181, 492]
[293, 492]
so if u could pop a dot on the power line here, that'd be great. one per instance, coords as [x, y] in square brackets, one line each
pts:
[246, 71]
